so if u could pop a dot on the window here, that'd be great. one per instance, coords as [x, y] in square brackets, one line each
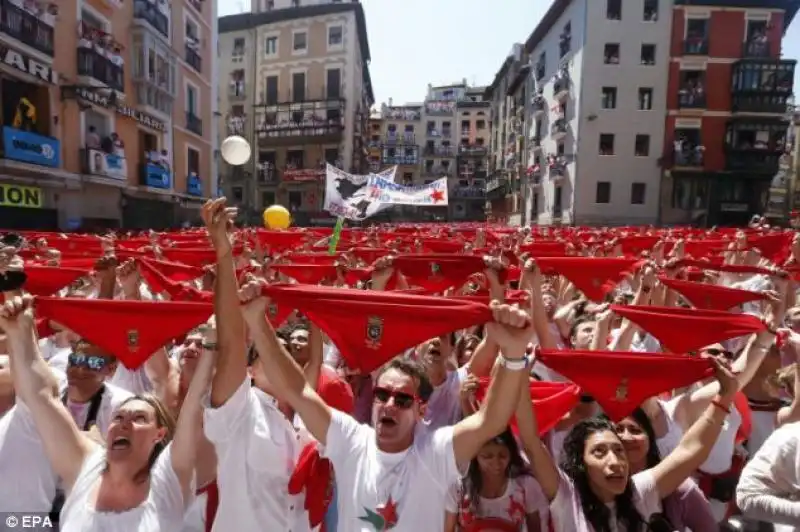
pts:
[408, 178]
[295, 3]
[193, 161]
[645, 99]
[611, 54]
[603, 192]
[333, 83]
[299, 87]
[642, 146]
[332, 155]
[614, 9]
[557, 207]
[565, 40]
[295, 158]
[271, 46]
[299, 43]
[238, 194]
[238, 47]
[648, 55]
[191, 100]
[271, 91]
[267, 198]
[689, 193]
[606, 144]
[335, 37]
[609, 98]
[480, 124]
[638, 193]
[295, 200]
[650, 10]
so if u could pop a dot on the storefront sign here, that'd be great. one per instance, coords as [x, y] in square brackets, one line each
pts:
[32, 67]
[33, 148]
[102, 100]
[107, 164]
[301, 176]
[155, 176]
[16, 196]
[194, 186]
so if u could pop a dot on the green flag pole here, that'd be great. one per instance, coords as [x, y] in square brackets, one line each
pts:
[337, 233]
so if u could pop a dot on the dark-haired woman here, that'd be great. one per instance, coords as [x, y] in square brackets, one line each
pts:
[498, 493]
[687, 507]
[594, 490]
[141, 480]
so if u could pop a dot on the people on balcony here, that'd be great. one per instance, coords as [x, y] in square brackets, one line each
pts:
[692, 92]
[440, 107]
[44, 11]
[158, 158]
[688, 152]
[92, 139]
[236, 124]
[695, 42]
[104, 44]
[758, 44]
[237, 82]
[25, 116]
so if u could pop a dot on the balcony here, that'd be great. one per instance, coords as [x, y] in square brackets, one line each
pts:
[266, 173]
[539, 70]
[27, 28]
[401, 113]
[696, 45]
[400, 159]
[559, 129]
[752, 160]
[762, 85]
[439, 151]
[437, 172]
[558, 171]
[496, 188]
[435, 133]
[98, 67]
[149, 12]
[561, 87]
[475, 193]
[236, 91]
[472, 150]
[100, 163]
[691, 99]
[400, 138]
[193, 58]
[536, 143]
[538, 106]
[236, 125]
[30, 147]
[152, 175]
[303, 175]
[194, 123]
[440, 108]
[306, 120]
[688, 158]
[194, 185]
[756, 49]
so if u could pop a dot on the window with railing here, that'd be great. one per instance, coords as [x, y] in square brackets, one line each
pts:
[565, 40]
[692, 89]
[688, 149]
[696, 37]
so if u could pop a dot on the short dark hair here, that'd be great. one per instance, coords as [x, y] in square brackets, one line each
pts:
[414, 370]
[577, 323]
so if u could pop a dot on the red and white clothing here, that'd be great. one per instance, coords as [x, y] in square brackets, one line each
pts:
[403, 491]
[523, 496]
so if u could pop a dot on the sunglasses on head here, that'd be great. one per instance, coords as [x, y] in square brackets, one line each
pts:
[92, 362]
[401, 399]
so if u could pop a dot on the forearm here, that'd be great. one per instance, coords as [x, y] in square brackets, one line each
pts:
[231, 334]
[31, 376]
[502, 399]
[763, 506]
[544, 469]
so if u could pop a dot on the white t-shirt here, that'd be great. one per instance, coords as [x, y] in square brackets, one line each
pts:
[28, 482]
[162, 511]
[409, 487]
[568, 516]
[523, 497]
[113, 397]
[49, 349]
[131, 380]
[257, 449]
[444, 405]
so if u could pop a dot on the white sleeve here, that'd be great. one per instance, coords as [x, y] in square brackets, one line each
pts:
[221, 424]
[437, 453]
[452, 499]
[646, 493]
[535, 501]
[346, 438]
[166, 487]
[770, 477]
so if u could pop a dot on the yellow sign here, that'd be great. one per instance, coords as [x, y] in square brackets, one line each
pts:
[16, 196]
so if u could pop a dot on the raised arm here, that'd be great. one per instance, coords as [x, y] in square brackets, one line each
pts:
[66, 447]
[231, 367]
[285, 376]
[511, 330]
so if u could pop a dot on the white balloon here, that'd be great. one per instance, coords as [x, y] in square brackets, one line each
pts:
[235, 150]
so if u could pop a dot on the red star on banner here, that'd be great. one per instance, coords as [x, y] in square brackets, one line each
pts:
[437, 196]
[389, 513]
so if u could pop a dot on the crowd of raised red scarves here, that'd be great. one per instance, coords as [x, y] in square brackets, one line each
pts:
[331, 288]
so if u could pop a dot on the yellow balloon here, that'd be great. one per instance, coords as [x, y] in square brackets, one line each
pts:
[277, 217]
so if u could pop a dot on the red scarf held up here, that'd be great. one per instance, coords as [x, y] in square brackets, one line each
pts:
[174, 271]
[369, 327]
[177, 291]
[130, 330]
[48, 280]
[682, 330]
[711, 296]
[551, 401]
[621, 381]
[594, 276]
[437, 273]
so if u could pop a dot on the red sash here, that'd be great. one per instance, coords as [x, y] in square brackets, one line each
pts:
[212, 502]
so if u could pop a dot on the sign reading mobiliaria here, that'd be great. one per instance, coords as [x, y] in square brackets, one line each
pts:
[142, 118]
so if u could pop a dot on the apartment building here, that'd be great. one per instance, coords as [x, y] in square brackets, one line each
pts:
[468, 192]
[374, 142]
[594, 77]
[294, 80]
[728, 118]
[102, 119]
[399, 138]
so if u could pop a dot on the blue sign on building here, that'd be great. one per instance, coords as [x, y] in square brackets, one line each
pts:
[156, 176]
[194, 186]
[28, 147]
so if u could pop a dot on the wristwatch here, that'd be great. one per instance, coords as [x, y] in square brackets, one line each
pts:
[515, 364]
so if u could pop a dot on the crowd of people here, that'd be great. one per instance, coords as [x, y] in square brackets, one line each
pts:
[409, 378]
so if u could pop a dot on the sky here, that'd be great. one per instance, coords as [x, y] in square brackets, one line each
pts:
[416, 42]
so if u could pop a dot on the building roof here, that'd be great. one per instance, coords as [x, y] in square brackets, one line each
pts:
[790, 6]
[248, 21]
[497, 77]
[554, 12]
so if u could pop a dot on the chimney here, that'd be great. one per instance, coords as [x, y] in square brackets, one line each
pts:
[464, 82]
[390, 102]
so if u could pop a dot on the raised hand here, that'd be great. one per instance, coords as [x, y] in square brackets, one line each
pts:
[254, 304]
[511, 329]
[128, 275]
[16, 315]
[218, 219]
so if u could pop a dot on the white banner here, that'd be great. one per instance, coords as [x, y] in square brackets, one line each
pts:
[107, 164]
[390, 193]
[346, 194]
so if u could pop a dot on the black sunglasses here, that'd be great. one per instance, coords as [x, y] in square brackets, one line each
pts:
[715, 352]
[401, 399]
